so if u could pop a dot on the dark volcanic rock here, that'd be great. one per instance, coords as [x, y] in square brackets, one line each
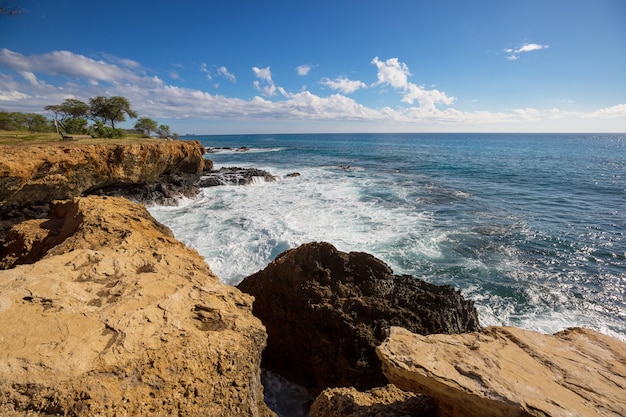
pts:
[165, 191]
[234, 176]
[325, 312]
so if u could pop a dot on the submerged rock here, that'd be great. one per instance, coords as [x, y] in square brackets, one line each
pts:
[107, 314]
[505, 371]
[325, 312]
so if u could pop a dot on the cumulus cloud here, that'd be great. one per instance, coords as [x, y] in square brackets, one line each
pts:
[392, 72]
[303, 70]
[24, 87]
[223, 71]
[396, 74]
[263, 73]
[343, 84]
[264, 84]
[426, 98]
[527, 47]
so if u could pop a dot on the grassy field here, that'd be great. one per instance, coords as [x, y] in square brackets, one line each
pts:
[28, 138]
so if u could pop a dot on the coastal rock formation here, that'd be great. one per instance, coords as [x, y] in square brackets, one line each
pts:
[505, 371]
[109, 315]
[234, 176]
[325, 312]
[36, 174]
[386, 401]
[31, 176]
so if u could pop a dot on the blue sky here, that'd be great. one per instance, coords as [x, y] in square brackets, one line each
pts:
[248, 66]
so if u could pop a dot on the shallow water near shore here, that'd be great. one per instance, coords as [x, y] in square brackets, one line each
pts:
[529, 226]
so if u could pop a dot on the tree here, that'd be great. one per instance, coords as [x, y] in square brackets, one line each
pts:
[24, 121]
[71, 115]
[146, 125]
[100, 130]
[111, 109]
[164, 131]
[36, 122]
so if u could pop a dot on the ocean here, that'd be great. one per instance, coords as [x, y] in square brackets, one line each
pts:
[529, 226]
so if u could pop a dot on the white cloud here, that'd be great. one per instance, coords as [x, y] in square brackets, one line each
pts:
[527, 47]
[303, 70]
[30, 77]
[23, 87]
[392, 72]
[129, 63]
[395, 73]
[618, 110]
[174, 75]
[67, 64]
[263, 73]
[223, 71]
[267, 88]
[530, 47]
[343, 84]
[12, 96]
[426, 98]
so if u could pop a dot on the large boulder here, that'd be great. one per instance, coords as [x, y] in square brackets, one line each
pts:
[325, 312]
[107, 314]
[505, 371]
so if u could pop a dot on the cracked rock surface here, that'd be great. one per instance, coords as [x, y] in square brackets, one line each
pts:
[104, 313]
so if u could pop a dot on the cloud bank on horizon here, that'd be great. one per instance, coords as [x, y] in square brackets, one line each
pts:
[30, 82]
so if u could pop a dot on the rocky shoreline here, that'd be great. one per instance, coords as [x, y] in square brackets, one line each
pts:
[105, 313]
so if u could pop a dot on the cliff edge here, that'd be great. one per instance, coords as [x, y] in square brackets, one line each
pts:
[38, 174]
[112, 316]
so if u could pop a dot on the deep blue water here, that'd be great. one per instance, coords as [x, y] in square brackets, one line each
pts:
[530, 226]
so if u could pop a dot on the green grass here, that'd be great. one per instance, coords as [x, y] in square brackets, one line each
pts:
[8, 137]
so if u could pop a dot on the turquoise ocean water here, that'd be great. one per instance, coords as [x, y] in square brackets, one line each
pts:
[530, 226]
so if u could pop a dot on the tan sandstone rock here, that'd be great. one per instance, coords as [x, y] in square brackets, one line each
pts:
[505, 371]
[388, 401]
[115, 317]
[34, 174]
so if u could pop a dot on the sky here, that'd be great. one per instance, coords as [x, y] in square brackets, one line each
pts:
[320, 66]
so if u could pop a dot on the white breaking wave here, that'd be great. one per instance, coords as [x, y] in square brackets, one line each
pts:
[240, 229]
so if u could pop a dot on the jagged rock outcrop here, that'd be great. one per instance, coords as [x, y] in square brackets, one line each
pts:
[36, 174]
[505, 371]
[386, 401]
[325, 312]
[234, 176]
[109, 315]
[154, 171]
